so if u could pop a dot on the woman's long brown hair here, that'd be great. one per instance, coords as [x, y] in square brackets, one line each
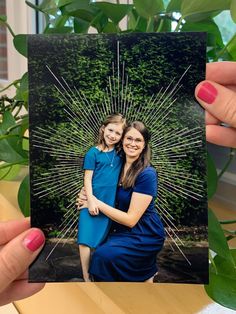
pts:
[144, 159]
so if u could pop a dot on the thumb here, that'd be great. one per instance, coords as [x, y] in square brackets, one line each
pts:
[218, 100]
[18, 254]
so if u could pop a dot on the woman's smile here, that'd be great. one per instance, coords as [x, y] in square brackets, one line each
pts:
[133, 143]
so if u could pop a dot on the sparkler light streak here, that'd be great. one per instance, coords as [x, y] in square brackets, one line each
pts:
[169, 146]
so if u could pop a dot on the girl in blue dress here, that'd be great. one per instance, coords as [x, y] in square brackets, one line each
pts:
[102, 165]
[137, 234]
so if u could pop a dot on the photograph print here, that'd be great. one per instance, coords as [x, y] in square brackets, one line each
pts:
[118, 157]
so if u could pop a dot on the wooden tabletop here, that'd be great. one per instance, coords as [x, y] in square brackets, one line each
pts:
[115, 298]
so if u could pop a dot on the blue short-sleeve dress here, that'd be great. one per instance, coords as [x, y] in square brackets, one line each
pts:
[129, 254]
[106, 168]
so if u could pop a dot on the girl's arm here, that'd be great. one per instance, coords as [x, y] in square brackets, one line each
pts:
[88, 174]
[138, 204]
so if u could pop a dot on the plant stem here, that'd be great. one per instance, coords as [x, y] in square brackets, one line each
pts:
[137, 21]
[225, 48]
[179, 24]
[10, 29]
[1, 178]
[231, 157]
[227, 222]
[213, 262]
[160, 25]
[18, 110]
[233, 233]
[149, 25]
[23, 162]
[13, 83]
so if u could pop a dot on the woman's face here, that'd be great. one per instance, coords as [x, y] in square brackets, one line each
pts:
[112, 133]
[133, 143]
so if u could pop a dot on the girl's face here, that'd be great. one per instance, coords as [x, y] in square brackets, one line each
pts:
[133, 143]
[113, 133]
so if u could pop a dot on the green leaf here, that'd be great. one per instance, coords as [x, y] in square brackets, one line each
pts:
[24, 197]
[46, 6]
[202, 9]
[136, 22]
[99, 21]
[10, 172]
[233, 10]
[110, 28]
[80, 26]
[25, 144]
[9, 154]
[148, 8]
[64, 2]
[212, 178]
[217, 240]
[164, 26]
[33, 6]
[20, 43]
[222, 283]
[7, 121]
[209, 26]
[3, 19]
[115, 12]
[231, 47]
[22, 92]
[174, 6]
[49, 6]
[81, 9]
[10, 148]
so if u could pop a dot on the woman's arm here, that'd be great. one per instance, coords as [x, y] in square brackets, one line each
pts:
[139, 203]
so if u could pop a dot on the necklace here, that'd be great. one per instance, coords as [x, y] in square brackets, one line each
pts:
[111, 160]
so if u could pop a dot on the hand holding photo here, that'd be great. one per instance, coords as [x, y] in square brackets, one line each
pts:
[116, 114]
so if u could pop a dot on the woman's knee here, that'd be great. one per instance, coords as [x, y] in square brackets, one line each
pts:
[108, 255]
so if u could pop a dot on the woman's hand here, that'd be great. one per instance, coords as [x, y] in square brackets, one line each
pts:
[218, 96]
[92, 207]
[19, 246]
[81, 200]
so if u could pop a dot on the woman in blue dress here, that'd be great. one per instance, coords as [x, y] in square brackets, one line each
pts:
[102, 165]
[137, 234]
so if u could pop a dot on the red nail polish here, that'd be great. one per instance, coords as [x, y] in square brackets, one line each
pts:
[207, 93]
[34, 240]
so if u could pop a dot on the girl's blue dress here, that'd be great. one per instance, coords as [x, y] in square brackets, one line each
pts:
[129, 254]
[106, 168]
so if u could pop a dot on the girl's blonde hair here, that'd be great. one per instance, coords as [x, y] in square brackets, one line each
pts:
[116, 118]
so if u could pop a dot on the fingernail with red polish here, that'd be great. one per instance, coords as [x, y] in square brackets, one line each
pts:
[207, 93]
[34, 240]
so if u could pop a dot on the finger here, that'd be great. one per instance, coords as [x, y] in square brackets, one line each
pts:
[25, 275]
[11, 229]
[210, 119]
[18, 254]
[19, 290]
[221, 72]
[218, 100]
[221, 135]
